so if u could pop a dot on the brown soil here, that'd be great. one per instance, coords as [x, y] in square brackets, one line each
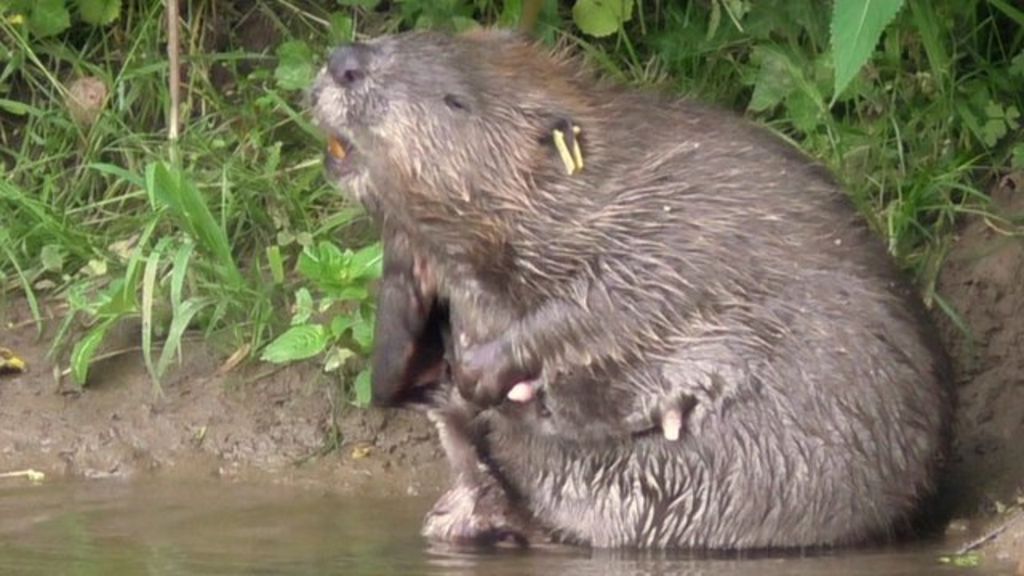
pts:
[983, 280]
[275, 428]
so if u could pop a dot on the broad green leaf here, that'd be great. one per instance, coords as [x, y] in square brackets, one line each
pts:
[341, 323]
[179, 323]
[298, 343]
[368, 262]
[714, 20]
[148, 293]
[187, 205]
[803, 111]
[178, 272]
[1017, 65]
[1018, 157]
[364, 390]
[295, 69]
[341, 28]
[601, 17]
[16, 108]
[85, 349]
[350, 293]
[48, 18]
[774, 80]
[856, 27]
[362, 333]
[303, 306]
[337, 358]
[461, 24]
[99, 12]
[52, 257]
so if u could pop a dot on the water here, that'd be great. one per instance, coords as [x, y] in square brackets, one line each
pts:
[159, 528]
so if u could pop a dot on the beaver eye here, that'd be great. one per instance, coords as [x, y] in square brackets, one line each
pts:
[456, 103]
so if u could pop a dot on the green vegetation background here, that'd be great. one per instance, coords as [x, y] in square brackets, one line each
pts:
[232, 234]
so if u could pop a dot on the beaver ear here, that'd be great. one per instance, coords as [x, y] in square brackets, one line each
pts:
[565, 140]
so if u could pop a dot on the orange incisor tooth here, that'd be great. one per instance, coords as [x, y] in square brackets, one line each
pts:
[336, 149]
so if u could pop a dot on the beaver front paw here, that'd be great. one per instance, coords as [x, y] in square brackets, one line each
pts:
[487, 374]
[475, 514]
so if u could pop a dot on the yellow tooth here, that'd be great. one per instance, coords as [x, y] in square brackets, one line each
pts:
[336, 149]
[563, 152]
[577, 154]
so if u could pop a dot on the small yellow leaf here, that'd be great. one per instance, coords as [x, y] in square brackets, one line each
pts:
[360, 452]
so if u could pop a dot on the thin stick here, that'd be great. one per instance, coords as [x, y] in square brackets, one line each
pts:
[173, 55]
[984, 539]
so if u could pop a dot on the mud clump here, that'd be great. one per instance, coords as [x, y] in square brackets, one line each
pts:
[719, 352]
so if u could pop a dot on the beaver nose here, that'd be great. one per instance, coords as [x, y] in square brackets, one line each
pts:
[348, 63]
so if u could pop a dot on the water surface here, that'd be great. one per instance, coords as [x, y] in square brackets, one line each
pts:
[115, 528]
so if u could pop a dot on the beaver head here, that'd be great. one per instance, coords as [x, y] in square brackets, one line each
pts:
[449, 129]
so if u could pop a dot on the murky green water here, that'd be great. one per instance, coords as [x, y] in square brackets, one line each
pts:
[113, 528]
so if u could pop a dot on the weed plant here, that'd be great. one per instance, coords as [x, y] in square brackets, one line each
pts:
[233, 233]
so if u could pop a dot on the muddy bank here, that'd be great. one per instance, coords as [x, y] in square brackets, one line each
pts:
[278, 428]
[983, 280]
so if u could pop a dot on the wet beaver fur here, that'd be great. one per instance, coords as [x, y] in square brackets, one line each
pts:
[695, 265]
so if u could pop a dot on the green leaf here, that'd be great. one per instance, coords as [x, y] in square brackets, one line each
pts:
[461, 23]
[149, 281]
[1016, 66]
[84, 350]
[601, 17]
[341, 28]
[1018, 157]
[17, 108]
[298, 343]
[774, 80]
[48, 18]
[803, 111]
[364, 390]
[173, 189]
[295, 69]
[362, 332]
[368, 262]
[52, 257]
[857, 26]
[276, 263]
[99, 12]
[368, 4]
[180, 321]
[178, 272]
[341, 323]
[337, 358]
[303, 307]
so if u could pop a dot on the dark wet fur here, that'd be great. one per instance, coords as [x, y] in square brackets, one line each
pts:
[696, 261]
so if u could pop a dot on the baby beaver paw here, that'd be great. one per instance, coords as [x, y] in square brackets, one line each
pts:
[475, 514]
[488, 374]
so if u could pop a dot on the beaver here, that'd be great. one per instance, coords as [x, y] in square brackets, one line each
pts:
[694, 265]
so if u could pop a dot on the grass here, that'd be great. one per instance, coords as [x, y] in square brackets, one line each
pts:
[233, 231]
